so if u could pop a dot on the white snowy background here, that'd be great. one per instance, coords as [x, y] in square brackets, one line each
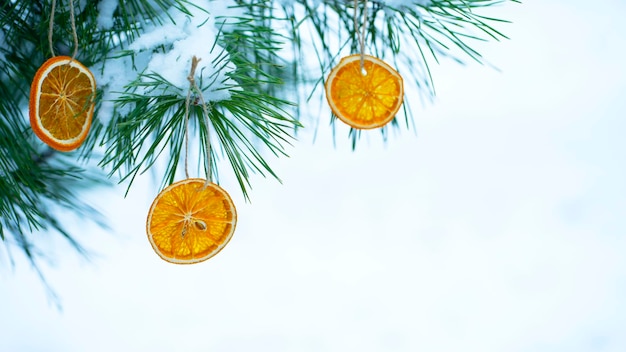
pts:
[500, 226]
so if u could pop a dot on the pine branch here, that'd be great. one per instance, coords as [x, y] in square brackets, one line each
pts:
[151, 122]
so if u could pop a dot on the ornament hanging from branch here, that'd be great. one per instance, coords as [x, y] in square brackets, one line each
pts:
[362, 90]
[62, 96]
[191, 220]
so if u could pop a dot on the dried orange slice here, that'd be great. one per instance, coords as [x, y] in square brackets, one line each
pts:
[190, 221]
[62, 102]
[367, 98]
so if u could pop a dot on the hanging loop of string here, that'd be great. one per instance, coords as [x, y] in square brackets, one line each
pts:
[73, 24]
[51, 26]
[192, 72]
[194, 87]
[361, 35]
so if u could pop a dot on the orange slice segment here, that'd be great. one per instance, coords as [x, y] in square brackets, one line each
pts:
[364, 99]
[190, 221]
[62, 103]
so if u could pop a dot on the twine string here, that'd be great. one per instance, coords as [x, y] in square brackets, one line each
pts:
[361, 35]
[74, 33]
[194, 87]
[207, 152]
[192, 82]
[51, 26]
[73, 24]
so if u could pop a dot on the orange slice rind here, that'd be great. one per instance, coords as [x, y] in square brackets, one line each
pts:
[364, 99]
[62, 100]
[190, 221]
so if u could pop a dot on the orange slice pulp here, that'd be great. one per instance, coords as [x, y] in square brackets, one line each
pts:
[367, 98]
[190, 221]
[62, 100]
